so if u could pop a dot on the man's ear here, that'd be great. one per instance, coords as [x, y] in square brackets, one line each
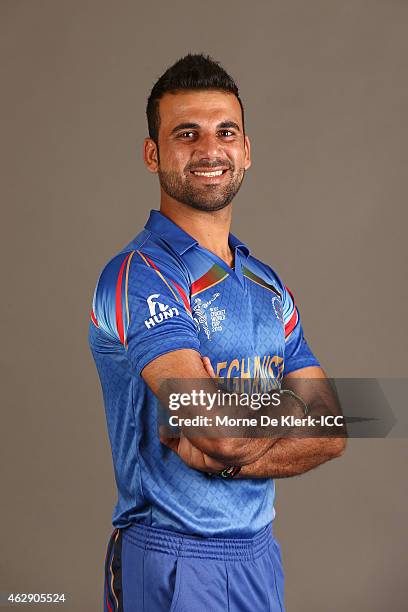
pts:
[150, 155]
[247, 145]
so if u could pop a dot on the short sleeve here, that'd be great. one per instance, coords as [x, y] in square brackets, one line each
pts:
[143, 305]
[297, 351]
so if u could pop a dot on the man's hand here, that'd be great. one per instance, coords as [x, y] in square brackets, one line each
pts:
[192, 456]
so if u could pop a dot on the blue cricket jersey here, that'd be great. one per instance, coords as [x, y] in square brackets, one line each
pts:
[165, 292]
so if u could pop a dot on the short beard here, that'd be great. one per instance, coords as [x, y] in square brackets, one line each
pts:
[210, 199]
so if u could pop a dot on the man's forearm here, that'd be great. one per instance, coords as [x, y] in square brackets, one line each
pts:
[247, 451]
[293, 456]
[235, 451]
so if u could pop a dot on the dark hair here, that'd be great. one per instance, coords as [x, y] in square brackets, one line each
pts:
[196, 71]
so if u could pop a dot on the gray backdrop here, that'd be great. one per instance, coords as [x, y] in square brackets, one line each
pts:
[325, 89]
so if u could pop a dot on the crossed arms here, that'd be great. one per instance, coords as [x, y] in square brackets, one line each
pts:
[258, 457]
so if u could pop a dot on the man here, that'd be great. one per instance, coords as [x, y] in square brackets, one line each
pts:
[187, 300]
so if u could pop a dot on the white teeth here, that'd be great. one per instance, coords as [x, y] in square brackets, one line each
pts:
[215, 173]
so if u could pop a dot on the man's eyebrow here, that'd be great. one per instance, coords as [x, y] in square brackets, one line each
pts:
[229, 124]
[195, 126]
[185, 126]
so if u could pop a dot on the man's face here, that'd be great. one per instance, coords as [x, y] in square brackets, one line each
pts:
[203, 153]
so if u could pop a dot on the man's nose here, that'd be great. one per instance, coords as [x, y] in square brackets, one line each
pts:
[208, 146]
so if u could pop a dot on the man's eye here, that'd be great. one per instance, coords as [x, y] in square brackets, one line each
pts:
[187, 135]
[226, 133]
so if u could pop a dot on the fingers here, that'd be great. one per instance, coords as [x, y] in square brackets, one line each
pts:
[208, 367]
[171, 443]
[167, 440]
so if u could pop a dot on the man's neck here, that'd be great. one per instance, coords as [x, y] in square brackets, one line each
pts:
[210, 229]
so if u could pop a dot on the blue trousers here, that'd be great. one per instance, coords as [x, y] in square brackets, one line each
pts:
[155, 570]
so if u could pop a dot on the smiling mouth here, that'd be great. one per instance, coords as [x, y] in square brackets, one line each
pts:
[208, 173]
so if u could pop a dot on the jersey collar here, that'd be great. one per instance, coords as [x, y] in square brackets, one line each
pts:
[237, 244]
[178, 239]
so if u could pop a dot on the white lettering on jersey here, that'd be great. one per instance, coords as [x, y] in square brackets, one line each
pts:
[165, 312]
[216, 315]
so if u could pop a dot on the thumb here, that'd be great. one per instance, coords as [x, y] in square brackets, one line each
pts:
[208, 367]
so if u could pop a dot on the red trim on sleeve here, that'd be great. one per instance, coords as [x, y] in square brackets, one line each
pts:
[94, 319]
[183, 296]
[119, 308]
[151, 262]
[291, 324]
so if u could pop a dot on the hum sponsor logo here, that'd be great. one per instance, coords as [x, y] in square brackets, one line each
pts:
[159, 312]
